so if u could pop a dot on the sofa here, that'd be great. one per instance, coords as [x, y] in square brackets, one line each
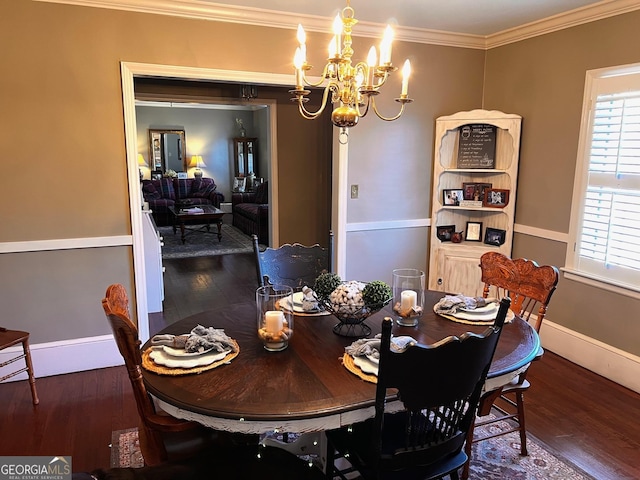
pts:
[251, 212]
[165, 192]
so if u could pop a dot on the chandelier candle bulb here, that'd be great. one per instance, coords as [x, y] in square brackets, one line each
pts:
[406, 72]
[371, 63]
[302, 38]
[385, 46]
[408, 300]
[337, 31]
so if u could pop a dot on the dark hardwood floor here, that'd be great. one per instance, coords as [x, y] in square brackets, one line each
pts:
[583, 417]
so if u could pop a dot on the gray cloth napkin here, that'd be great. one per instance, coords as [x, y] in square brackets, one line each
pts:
[450, 304]
[371, 346]
[200, 339]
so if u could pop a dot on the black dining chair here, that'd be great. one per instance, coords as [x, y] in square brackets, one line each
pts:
[439, 387]
[295, 265]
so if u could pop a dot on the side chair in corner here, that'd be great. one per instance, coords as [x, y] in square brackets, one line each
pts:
[530, 288]
[9, 338]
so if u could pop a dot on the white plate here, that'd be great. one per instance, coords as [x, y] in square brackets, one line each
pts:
[162, 358]
[366, 365]
[181, 352]
[487, 308]
[478, 317]
[295, 304]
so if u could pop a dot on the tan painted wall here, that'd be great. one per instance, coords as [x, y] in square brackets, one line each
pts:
[64, 152]
[542, 79]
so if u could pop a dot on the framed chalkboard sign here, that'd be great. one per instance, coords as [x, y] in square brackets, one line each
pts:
[477, 146]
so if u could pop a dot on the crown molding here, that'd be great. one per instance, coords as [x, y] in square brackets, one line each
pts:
[579, 16]
[198, 9]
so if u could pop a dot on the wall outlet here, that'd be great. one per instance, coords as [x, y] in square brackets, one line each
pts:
[354, 191]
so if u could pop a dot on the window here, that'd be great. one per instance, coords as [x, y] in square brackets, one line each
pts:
[605, 217]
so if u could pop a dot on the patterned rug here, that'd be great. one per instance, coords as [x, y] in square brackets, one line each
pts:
[202, 244]
[496, 458]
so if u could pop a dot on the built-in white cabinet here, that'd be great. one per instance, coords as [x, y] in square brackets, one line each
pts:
[153, 263]
[472, 150]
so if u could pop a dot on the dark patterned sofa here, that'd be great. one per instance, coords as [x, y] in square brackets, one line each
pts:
[163, 193]
[251, 212]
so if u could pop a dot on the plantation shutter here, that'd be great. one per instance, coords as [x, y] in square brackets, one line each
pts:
[609, 234]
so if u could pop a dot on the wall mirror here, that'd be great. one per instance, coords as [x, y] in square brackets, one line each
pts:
[167, 150]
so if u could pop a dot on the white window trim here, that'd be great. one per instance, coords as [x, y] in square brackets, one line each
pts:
[570, 270]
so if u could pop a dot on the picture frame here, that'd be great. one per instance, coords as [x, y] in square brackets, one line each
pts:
[495, 198]
[182, 174]
[445, 232]
[452, 196]
[239, 184]
[473, 232]
[495, 236]
[475, 190]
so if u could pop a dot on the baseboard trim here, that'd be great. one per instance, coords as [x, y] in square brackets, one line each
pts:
[610, 362]
[67, 356]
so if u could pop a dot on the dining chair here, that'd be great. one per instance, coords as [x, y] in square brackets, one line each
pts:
[162, 437]
[530, 288]
[295, 265]
[439, 387]
[9, 338]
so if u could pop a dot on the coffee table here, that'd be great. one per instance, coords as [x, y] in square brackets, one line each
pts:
[205, 216]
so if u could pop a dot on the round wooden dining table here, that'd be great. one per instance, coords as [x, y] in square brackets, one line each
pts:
[304, 388]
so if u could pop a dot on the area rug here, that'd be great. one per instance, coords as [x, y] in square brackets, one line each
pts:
[203, 244]
[495, 458]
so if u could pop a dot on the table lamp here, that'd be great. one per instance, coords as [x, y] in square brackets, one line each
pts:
[141, 163]
[196, 161]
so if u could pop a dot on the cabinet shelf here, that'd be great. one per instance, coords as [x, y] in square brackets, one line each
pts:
[477, 209]
[453, 267]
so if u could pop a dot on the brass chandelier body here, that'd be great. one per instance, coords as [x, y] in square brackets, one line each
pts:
[352, 87]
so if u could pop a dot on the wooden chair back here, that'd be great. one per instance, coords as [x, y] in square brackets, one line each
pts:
[529, 285]
[125, 333]
[440, 404]
[295, 265]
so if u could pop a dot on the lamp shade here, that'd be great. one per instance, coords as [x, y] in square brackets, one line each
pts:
[141, 162]
[197, 162]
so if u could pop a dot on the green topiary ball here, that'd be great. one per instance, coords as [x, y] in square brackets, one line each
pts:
[376, 292]
[326, 283]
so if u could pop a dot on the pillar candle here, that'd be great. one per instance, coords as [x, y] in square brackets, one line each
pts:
[408, 300]
[273, 322]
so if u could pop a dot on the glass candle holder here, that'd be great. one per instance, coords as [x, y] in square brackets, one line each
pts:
[275, 323]
[408, 295]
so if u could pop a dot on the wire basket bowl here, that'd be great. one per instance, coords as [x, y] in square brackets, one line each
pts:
[351, 317]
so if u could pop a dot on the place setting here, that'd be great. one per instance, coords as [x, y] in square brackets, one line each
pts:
[470, 310]
[362, 357]
[304, 303]
[204, 348]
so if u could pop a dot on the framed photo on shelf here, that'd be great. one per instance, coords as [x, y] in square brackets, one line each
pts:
[473, 233]
[452, 196]
[495, 198]
[495, 236]
[475, 191]
[445, 232]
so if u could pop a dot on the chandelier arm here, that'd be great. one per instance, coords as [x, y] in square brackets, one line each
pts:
[322, 78]
[312, 115]
[387, 119]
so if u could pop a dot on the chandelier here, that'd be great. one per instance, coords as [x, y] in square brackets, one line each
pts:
[352, 87]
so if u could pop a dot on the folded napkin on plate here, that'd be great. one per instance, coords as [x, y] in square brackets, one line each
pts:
[371, 346]
[200, 339]
[450, 304]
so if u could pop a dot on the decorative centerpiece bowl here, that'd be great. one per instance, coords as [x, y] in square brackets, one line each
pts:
[351, 302]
